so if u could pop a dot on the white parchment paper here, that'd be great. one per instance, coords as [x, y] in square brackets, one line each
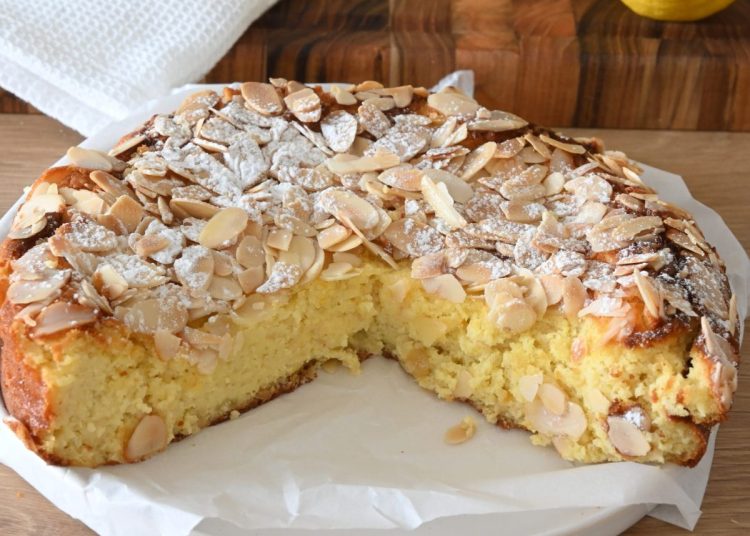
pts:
[366, 452]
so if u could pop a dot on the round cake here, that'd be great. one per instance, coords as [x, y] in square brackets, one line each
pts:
[222, 254]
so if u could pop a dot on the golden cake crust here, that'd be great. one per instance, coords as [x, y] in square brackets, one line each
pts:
[713, 336]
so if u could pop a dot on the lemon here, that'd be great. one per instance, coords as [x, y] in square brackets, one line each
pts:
[677, 10]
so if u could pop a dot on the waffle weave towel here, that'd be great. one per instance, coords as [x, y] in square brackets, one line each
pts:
[89, 62]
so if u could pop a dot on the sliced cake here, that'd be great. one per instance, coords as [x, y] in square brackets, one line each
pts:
[220, 254]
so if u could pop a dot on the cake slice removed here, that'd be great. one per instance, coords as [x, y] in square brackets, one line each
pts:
[221, 254]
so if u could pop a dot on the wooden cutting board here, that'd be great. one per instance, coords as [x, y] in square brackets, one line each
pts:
[587, 63]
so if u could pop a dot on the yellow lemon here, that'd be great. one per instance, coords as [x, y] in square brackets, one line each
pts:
[677, 10]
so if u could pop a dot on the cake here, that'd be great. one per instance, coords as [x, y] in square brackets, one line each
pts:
[222, 254]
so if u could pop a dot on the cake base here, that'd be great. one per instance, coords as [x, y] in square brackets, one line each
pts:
[82, 397]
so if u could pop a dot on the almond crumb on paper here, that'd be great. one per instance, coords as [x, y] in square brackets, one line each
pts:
[462, 432]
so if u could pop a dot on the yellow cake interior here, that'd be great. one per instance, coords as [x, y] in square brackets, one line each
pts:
[102, 383]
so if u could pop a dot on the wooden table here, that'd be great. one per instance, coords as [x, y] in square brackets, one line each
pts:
[715, 167]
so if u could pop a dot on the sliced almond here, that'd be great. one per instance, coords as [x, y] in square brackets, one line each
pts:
[403, 177]
[553, 399]
[402, 95]
[195, 268]
[149, 437]
[347, 244]
[381, 103]
[61, 316]
[250, 252]
[462, 432]
[427, 266]
[317, 265]
[193, 208]
[342, 96]
[262, 98]
[108, 282]
[304, 104]
[463, 388]
[514, 315]
[348, 206]
[339, 129]
[572, 423]
[683, 240]
[445, 286]
[443, 134]
[251, 278]
[510, 148]
[29, 291]
[150, 315]
[554, 183]
[34, 229]
[343, 164]
[626, 437]
[90, 159]
[631, 228]
[452, 103]
[335, 234]
[460, 190]
[34, 209]
[528, 386]
[650, 295]
[167, 345]
[573, 148]
[303, 248]
[223, 227]
[196, 105]
[148, 245]
[733, 319]
[126, 145]
[279, 239]
[368, 85]
[338, 271]
[283, 275]
[538, 145]
[553, 288]
[477, 159]
[224, 288]
[573, 297]
[110, 184]
[128, 211]
[438, 197]
[497, 121]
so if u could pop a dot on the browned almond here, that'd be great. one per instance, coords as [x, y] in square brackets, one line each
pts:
[223, 227]
[262, 98]
[149, 437]
[61, 316]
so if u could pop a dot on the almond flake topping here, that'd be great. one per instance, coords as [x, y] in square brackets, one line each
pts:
[259, 191]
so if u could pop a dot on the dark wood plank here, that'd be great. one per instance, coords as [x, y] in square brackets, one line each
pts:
[567, 62]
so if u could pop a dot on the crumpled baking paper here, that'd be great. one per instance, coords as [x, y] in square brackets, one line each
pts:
[366, 452]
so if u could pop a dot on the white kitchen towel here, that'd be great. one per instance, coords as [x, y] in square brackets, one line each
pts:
[90, 62]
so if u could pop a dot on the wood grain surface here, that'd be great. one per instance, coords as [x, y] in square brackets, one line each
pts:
[715, 167]
[586, 63]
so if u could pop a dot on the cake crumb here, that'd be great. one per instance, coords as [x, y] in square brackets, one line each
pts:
[234, 414]
[331, 365]
[462, 432]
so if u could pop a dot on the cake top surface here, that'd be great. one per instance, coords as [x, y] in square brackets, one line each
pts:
[247, 194]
